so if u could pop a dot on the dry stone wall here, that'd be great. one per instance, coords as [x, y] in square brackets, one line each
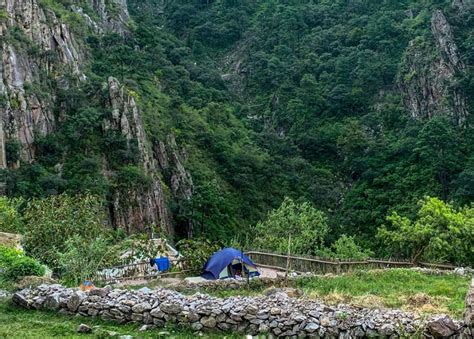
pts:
[276, 314]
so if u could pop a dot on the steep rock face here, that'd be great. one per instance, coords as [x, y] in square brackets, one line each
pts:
[35, 46]
[170, 158]
[428, 80]
[462, 5]
[37, 50]
[180, 181]
[140, 207]
[118, 21]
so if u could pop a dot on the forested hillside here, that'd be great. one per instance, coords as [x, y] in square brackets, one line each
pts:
[201, 116]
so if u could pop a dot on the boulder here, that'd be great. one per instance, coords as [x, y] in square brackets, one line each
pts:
[442, 327]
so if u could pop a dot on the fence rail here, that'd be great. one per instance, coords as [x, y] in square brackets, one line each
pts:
[323, 266]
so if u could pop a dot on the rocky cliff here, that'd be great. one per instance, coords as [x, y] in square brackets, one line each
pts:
[138, 207]
[39, 54]
[35, 48]
[429, 77]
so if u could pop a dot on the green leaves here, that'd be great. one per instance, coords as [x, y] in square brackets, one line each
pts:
[51, 222]
[10, 217]
[440, 232]
[306, 225]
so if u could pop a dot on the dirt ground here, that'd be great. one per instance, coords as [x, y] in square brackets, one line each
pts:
[169, 282]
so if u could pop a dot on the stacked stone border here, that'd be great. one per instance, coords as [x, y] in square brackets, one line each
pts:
[276, 314]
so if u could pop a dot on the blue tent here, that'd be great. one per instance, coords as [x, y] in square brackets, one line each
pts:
[228, 263]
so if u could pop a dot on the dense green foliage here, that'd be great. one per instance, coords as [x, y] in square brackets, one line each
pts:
[14, 264]
[299, 226]
[302, 229]
[196, 252]
[50, 223]
[270, 99]
[10, 216]
[440, 232]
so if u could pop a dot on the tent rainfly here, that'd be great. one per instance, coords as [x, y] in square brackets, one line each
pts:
[229, 263]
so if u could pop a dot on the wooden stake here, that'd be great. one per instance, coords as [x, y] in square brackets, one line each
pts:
[288, 258]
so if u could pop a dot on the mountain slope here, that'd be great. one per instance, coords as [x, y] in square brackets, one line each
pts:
[200, 116]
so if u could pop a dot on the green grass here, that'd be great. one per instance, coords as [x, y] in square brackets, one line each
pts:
[396, 288]
[404, 289]
[20, 323]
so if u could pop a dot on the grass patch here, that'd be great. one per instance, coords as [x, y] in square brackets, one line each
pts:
[395, 288]
[16, 322]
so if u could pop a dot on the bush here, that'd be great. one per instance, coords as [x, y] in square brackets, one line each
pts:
[346, 248]
[197, 252]
[51, 222]
[82, 259]
[16, 265]
[10, 218]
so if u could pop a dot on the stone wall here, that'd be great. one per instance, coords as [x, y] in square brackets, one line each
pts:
[275, 314]
[469, 312]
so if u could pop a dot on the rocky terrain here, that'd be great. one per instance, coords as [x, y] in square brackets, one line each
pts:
[277, 314]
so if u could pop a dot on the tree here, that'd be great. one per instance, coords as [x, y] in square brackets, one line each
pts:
[440, 232]
[306, 225]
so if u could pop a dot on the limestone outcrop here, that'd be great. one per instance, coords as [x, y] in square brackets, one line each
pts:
[428, 80]
[138, 207]
[35, 47]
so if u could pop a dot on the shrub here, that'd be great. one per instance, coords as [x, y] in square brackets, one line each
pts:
[196, 252]
[51, 222]
[10, 218]
[24, 266]
[346, 248]
[83, 258]
[16, 265]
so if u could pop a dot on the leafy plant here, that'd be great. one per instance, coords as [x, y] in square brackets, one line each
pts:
[196, 252]
[346, 248]
[51, 222]
[440, 232]
[82, 258]
[10, 217]
[16, 265]
[306, 226]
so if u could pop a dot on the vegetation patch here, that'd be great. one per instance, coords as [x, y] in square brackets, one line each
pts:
[20, 323]
[395, 288]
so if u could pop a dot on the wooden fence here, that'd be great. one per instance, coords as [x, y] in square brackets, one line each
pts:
[323, 266]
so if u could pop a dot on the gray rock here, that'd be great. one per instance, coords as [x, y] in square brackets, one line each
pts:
[100, 292]
[210, 322]
[311, 327]
[442, 327]
[83, 328]
[76, 300]
[52, 302]
[142, 307]
[171, 307]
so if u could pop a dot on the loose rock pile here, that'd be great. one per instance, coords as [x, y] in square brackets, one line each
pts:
[277, 313]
